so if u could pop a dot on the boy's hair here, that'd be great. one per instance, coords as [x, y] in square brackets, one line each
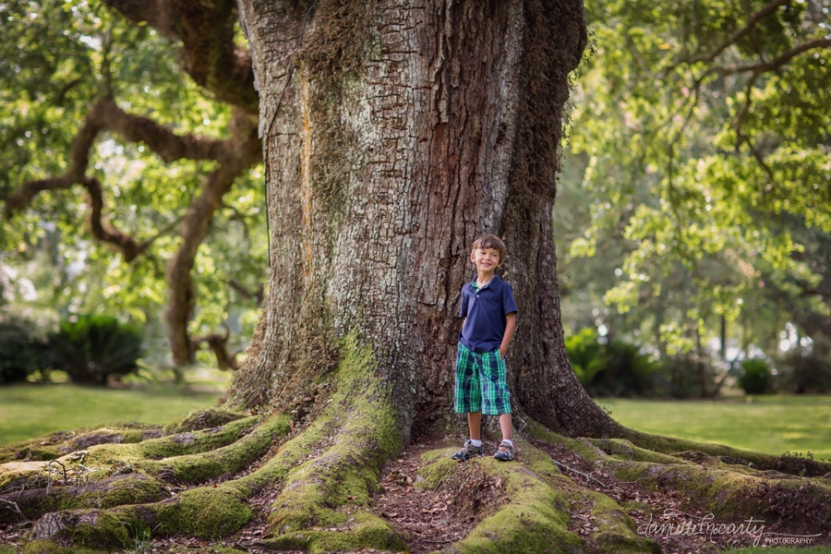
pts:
[491, 241]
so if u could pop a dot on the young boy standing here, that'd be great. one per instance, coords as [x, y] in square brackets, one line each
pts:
[489, 314]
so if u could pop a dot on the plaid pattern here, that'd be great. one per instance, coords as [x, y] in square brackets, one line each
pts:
[480, 383]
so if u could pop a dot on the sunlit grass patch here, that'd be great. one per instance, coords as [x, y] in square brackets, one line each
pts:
[29, 410]
[772, 424]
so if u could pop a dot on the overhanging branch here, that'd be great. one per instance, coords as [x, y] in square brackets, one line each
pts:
[770, 8]
[218, 344]
[106, 115]
[776, 63]
[206, 29]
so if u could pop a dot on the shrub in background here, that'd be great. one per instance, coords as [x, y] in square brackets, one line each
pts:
[618, 368]
[587, 356]
[755, 376]
[94, 348]
[686, 376]
[802, 372]
[628, 371]
[21, 351]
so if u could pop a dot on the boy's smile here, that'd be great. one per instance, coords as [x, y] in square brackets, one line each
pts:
[486, 260]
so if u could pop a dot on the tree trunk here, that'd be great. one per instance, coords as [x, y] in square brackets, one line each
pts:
[395, 133]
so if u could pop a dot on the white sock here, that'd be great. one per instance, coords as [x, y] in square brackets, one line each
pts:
[509, 441]
[476, 443]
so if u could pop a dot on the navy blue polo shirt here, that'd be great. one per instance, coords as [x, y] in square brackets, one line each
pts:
[485, 310]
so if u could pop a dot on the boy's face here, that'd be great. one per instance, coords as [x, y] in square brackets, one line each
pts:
[486, 260]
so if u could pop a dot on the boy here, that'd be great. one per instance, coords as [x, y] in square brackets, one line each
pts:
[489, 314]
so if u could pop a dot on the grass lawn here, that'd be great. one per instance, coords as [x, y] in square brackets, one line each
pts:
[773, 424]
[28, 411]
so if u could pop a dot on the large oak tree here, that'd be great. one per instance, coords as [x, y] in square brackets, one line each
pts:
[393, 132]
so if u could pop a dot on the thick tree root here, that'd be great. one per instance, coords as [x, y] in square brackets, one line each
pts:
[114, 491]
[326, 475]
[102, 460]
[61, 443]
[794, 465]
[531, 511]
[722, 485]
[325, 499]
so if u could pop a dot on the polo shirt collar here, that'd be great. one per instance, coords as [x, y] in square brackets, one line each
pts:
[495, 280]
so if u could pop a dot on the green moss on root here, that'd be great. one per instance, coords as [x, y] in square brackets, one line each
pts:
[336, 486]
[174, 445]
[92, 529]
[616, 532]
[205, 512]
[54, 445]
[51, 547]
[356, 531]
[201, 419]
[196, 468]
[793, 465]
[115, 491]
[624, 449]
[531, 516]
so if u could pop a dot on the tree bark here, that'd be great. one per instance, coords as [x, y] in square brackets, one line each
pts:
[395, 133]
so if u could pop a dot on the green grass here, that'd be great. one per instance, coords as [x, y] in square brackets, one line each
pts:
[772, 424]
[28, 411]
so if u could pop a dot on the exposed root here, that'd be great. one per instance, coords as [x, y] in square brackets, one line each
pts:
[794, 465]
[533, 514]
[227, 460]
[720, 486]
[114, 491]
[322, 484]
[326, 475]
[103, 460]
[55, 445]
[325, 499]
[61, 443]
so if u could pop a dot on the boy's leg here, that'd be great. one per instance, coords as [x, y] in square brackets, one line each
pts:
[474, 423]
[496, 400]
[505, 424]
[468, 399]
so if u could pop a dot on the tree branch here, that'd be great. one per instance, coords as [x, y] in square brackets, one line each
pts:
[106, 115]
[162, 141]
[105, 231]
[773, 64]
[218, 344]
[256, 296]
[246, 151]
[770, 8]
[206, 29]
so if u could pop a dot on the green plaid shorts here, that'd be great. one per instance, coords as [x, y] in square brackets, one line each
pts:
[480, 383]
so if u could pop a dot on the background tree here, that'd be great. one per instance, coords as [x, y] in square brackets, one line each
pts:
[698, 194]
[72, 77]
[394, 133]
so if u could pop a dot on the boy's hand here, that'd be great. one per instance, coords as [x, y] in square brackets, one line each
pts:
[510, 325]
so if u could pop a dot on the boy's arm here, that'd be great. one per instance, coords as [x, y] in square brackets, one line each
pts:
[510, 325]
